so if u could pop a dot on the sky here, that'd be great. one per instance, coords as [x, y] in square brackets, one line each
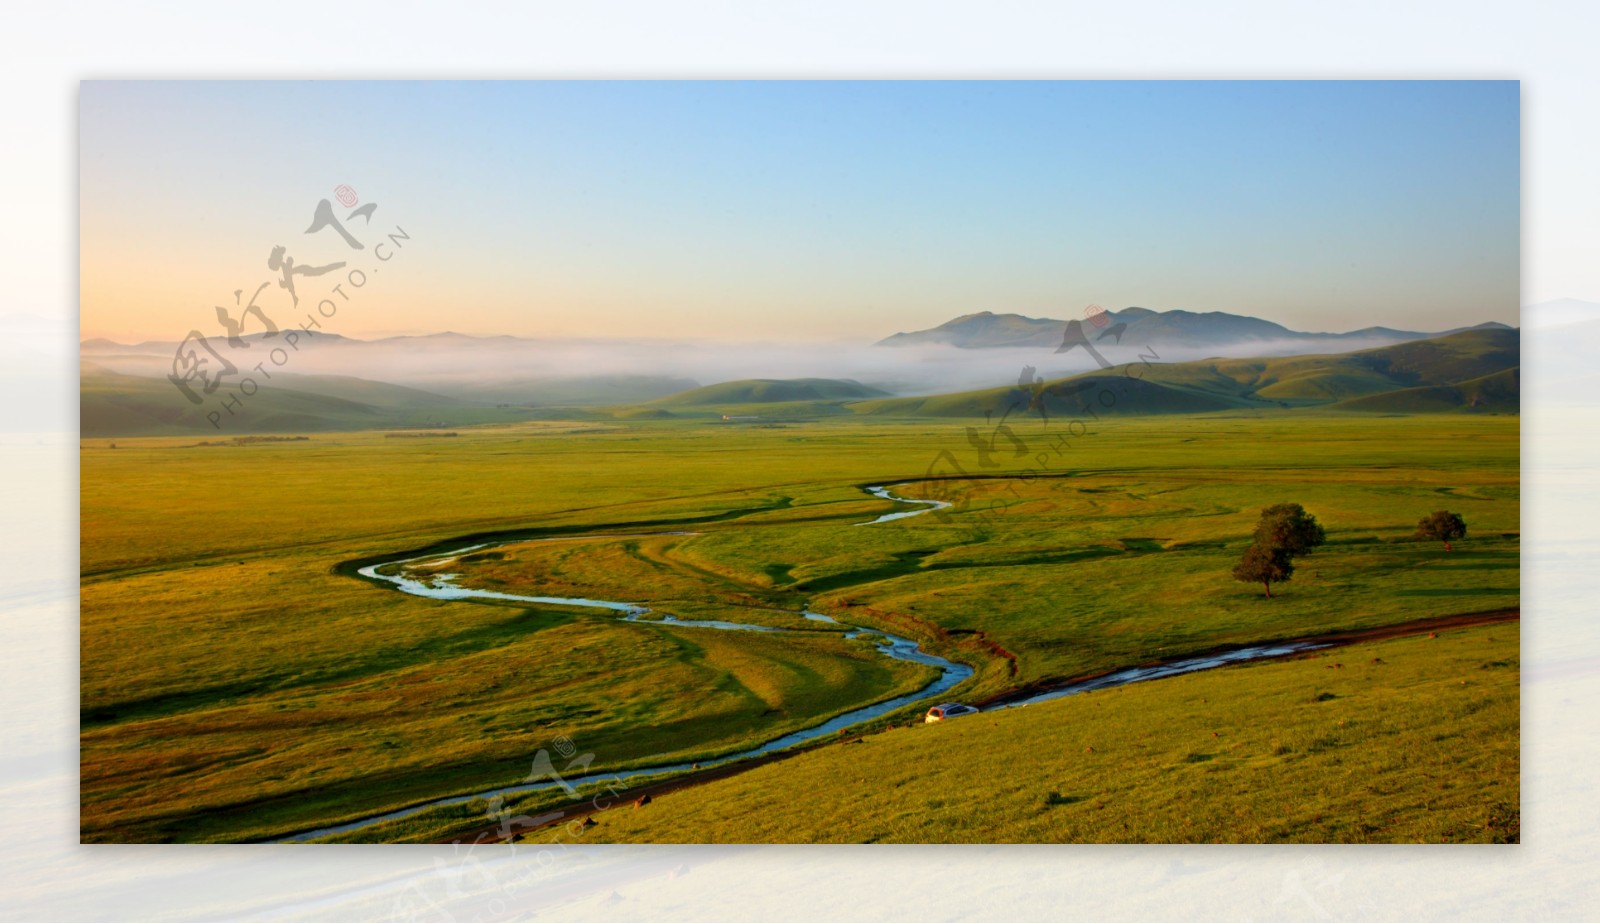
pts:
[833, 211]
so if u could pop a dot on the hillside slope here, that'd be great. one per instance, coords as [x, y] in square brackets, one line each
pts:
[1500, 392]
[1066, 397]
[112, 405]
[770, 391]
[1474, 370]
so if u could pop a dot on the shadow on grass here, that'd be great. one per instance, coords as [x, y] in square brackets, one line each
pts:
[909, 562]
[904, 563]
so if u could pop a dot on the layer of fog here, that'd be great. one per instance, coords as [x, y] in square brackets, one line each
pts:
[481, 368]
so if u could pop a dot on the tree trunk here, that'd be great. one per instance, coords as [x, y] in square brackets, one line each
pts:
[1268, 586]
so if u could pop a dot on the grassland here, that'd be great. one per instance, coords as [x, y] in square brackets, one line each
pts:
[1412, 740]
[235, 686]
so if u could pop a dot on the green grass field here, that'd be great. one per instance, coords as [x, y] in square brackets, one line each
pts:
[234, 686]
[1412, 740]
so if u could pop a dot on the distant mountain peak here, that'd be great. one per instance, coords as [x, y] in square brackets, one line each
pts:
[1176, 327]
[982, 328]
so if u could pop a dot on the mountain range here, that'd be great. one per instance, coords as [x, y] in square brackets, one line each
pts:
[1143, 327]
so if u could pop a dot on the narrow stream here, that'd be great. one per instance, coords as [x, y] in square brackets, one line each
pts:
[439, 586]
[883, 492]
[1170, 669]
[443, 587]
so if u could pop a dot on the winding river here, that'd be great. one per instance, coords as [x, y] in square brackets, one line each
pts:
[443, 586]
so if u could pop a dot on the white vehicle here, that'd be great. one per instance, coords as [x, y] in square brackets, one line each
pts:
[949, 711]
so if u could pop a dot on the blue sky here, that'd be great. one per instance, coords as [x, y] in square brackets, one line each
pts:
[811, 210]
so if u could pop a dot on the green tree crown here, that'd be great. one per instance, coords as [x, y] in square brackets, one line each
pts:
[1288, 527]
[1264, 566]
[1441, 525]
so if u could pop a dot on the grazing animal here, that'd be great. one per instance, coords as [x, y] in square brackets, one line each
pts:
[590, 822]
[642, 801]
[1433, 635]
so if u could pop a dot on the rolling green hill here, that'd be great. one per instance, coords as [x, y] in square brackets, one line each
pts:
[112, 405]
[1473, 370]
[570, 391]
[1451, 358]
[1344, 380]
[1061, 398]
[365, 391]
[1498, 392]
[770, 391]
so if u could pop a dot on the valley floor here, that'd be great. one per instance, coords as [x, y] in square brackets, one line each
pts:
[238, 684]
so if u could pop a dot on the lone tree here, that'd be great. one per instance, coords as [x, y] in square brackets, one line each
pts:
[1443, 526]
[1290, 528]
[1267, 565]
[1284, 533]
